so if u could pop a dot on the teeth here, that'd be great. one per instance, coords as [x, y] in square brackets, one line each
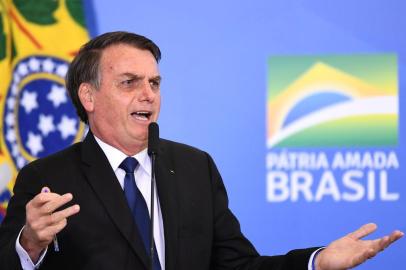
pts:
[142, 115]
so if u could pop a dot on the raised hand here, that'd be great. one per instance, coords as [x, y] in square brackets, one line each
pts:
[350, 251]
[43, 223]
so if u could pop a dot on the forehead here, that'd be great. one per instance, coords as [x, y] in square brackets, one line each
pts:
[123, 58]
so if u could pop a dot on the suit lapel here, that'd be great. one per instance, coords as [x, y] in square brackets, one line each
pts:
[104, 183]
[166, 185]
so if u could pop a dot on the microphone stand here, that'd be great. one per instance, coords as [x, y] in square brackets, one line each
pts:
[153, 140]
[153, 157]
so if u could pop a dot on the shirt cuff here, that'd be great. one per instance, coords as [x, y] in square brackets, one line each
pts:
[25, 260]
[310, 265]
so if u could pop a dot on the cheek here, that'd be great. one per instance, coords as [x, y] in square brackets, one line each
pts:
[106, 113]
[158, 103]
[114, 107]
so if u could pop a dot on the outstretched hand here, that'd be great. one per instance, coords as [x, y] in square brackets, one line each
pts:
[350, 251]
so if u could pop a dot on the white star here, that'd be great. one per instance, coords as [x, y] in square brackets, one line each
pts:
[16, 78]
[48, 65]
[10, 119]
[34, 143]
[22, 69]
[29, 101]
[57, 95]
[11, 135]
[61, 70]
[11, 102]
[14, 89]
[46, 124]
[6, 174]
[34, 64]
[20, 162]
[15, 150]
[67, 127]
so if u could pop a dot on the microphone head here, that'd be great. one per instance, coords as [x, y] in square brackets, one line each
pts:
[153, 138]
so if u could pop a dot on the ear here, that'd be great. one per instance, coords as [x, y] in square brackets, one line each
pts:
[86, 96]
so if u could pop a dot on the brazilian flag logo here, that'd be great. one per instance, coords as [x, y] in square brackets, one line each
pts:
[332, 101]
[38, 39]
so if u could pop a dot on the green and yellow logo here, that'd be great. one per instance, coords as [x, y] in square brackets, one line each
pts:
[332, 101]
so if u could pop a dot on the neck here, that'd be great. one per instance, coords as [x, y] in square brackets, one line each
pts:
[128, 149]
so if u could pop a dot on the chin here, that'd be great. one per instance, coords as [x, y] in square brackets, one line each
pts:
[140, 136]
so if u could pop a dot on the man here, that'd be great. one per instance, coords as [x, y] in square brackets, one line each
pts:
[73, 210]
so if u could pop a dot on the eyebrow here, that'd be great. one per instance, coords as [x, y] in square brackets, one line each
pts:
[131, 76]
[156, 78]
[138, 77]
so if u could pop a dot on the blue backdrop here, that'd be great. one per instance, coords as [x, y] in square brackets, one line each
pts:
[214, 96]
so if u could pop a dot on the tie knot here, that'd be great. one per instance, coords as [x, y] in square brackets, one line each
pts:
[129, 164]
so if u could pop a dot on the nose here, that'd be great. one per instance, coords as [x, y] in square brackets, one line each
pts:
[147, 93]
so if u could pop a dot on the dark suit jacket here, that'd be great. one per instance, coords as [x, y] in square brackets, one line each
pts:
[200, 230]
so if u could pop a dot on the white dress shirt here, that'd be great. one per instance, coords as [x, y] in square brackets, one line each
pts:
[142, 175]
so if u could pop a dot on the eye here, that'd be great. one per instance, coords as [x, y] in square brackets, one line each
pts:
[127, 82]
[155, 84]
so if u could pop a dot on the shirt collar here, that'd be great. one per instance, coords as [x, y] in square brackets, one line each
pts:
[115, 156]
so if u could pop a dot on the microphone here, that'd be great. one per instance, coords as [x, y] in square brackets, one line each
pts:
[153, 142]
[153, 138]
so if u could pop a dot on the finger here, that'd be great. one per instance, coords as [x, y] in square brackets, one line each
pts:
[379, 244]
[388, 240]
[55, 229]
[36, 209]
[363, 231]
[54, 224]
[47, 234]
[56, 202]
[65, 213]
[42, 198]
[396, 235]
[382, 243]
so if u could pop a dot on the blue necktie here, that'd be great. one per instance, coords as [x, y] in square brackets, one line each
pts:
[138, 206]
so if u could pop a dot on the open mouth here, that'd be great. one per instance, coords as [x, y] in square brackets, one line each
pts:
[142, 115]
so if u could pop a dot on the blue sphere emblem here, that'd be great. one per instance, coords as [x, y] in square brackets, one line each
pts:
[39, 118]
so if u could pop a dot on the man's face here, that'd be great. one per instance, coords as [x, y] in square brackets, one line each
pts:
[128, 98]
